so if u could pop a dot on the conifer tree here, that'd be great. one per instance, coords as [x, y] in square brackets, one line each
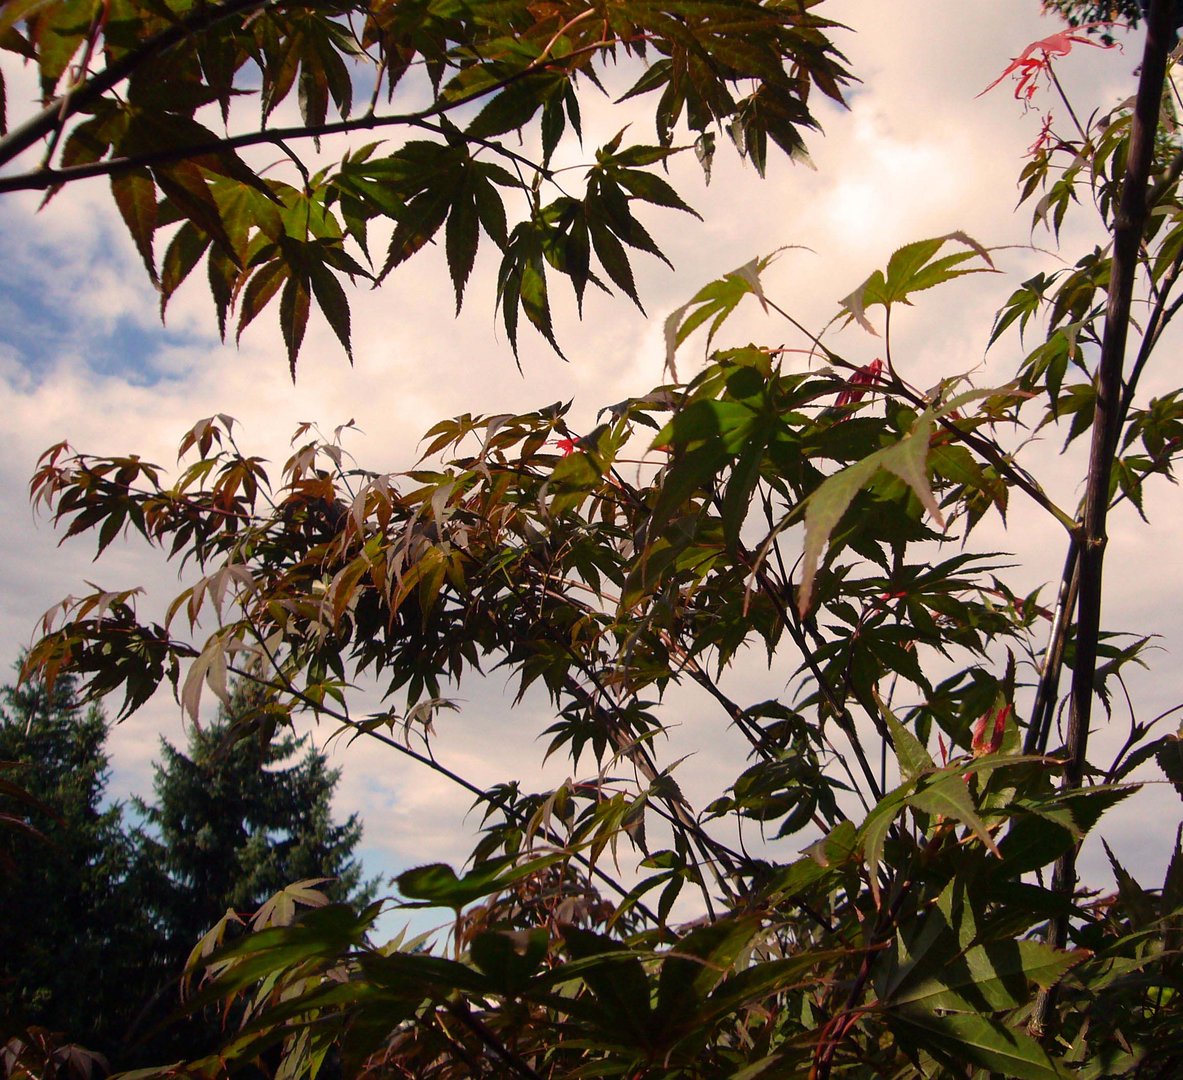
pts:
[235, 821]
[98, 920]
[74, 949]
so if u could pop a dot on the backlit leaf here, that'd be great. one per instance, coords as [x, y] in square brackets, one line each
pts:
[907, 459]
[911, 269]
[331, 298]
[946, 793]
[461, 238]
[293, 317]
[135, 195]
[182, 255]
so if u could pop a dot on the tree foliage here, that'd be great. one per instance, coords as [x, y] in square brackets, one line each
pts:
[68, 867]
[233, 822]
[124, 82]
[1081, 12]
[821, 511]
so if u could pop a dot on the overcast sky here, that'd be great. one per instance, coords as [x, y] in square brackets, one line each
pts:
[83, 357]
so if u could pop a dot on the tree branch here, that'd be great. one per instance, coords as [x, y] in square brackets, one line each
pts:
[423, 759]
[1127, 238]
[41, 179]
[44, 123]
[460, 1010]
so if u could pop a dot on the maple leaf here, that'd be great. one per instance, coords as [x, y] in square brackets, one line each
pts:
[867, 375]
[1035, 60]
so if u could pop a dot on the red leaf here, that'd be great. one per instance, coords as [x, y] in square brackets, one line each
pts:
[985, 739]
[867, 375]
[1035, 60]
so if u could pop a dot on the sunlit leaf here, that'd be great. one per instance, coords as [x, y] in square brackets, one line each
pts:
[911, 269]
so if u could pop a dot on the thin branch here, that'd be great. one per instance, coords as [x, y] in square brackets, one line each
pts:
[45, 178]
[751, 732]
[459, 1009]
[841, 712]
[97, 25]
[641, 760]
[475, 1068]
[1051, 70]
[37, 127]
[424, 759]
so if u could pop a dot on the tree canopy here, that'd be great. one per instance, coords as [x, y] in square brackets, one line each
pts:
[928, 775]
[123, 82]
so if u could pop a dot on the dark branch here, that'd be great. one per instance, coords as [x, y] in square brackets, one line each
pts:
[74, 100]
[43, 179]
[1132, 213]
[43, 124]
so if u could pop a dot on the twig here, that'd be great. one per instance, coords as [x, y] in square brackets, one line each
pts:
[459, 1009]
[33, 130]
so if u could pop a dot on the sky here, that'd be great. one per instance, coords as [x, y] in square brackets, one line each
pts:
[83, 357]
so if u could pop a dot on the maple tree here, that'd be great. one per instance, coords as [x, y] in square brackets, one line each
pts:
[426, 68]
[933, 921]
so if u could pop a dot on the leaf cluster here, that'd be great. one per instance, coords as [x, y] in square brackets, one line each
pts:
[605, 578]
[153, 95]
[820, 512]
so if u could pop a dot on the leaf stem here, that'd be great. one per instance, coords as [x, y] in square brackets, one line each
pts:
[1051, 70]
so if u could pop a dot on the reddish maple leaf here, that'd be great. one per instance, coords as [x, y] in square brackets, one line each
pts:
[985, 739]
[856, 386]
[1035, 60]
